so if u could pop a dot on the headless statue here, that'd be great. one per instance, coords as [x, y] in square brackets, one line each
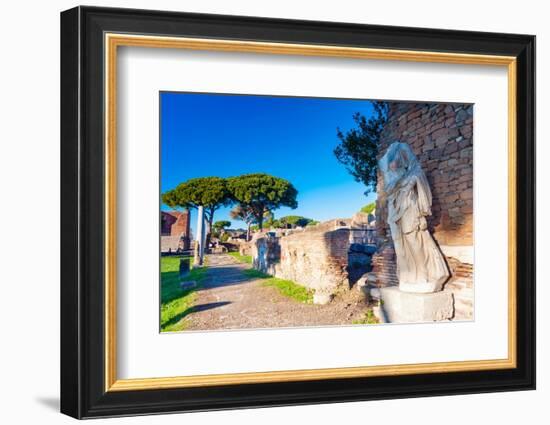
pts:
[421, 267]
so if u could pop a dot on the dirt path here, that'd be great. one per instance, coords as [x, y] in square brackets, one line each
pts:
[231, 300]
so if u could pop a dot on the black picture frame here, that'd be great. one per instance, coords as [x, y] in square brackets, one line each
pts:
[83, 392]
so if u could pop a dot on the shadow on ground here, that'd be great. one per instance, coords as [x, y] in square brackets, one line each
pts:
[49, 402]
[194, 309]
[217, 277]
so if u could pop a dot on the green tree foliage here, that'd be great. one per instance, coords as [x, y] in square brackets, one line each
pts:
[221, 225]
[170, 199]
[271, 223]
[262, 193]
[293, 221]
[369, 208]
[358, 148]
[210, 192]
[218, 228]
[243, 213]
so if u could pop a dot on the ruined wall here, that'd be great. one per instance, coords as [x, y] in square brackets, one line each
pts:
[181, 227]
[315, 257]
[440, 135]
[175, 229]
[166, 222]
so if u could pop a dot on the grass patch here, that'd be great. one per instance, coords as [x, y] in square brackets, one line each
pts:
[368, 319]
[241, 258]
[176, 303]
[286, 287]
[256, 274]
[290, 289]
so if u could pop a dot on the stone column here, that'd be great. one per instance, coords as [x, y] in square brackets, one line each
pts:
[200, 238]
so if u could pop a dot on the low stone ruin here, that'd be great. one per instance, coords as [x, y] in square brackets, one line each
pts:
[323, 258]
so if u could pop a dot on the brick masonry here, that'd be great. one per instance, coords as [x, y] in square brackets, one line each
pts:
[315, 257]
[175, 230]
[441, 136]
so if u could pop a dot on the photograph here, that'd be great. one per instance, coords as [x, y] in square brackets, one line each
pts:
[281, 211]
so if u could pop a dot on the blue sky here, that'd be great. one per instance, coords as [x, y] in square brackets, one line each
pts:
[289, 137]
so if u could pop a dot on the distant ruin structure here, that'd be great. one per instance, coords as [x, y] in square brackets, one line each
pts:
[175, 231]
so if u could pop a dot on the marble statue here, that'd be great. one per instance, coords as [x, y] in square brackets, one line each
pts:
[421, 267]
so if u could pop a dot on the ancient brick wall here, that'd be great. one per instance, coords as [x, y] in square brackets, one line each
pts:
[315, 257]
[167, 219]
[441, 136]
[176, 224]
[182, 225]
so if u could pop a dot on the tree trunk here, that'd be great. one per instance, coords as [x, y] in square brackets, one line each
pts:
[209, 230]
[248, 231]
[210, 222]
[262, 218]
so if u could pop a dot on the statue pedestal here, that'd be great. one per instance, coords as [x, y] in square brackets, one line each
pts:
[405, 307]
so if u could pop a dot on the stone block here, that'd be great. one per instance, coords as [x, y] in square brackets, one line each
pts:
[185, 266]
[405, 307]
[374, 292]
[378, 313]
[189, 284]
[322, 298]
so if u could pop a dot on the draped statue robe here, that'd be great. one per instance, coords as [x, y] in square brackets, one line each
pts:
[421, 266]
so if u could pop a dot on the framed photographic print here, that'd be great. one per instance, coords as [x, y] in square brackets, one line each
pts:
[261, 212]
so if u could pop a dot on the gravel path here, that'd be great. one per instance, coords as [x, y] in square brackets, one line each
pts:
[231, 300]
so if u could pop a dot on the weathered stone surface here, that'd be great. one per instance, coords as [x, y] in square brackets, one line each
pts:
[265, 251]
[404, 307]
[463, 253]
[245, 248]
[173, 244]
[374, 292]
[174, 228]
[322, 298]
[185, 266]
[421, 266]
[219, 249]
[361, 220]
[378, 313]
[448, 165]
[384, 265]
[463, 299]
[189, 284]
[316, 257]
[362, 281]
